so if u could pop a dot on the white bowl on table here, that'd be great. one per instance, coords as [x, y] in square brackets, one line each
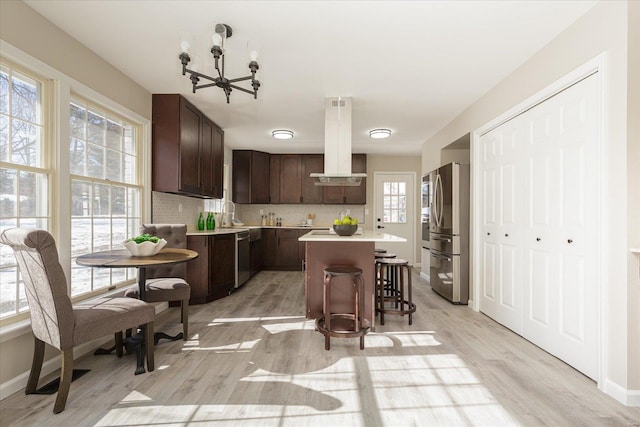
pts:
[145, 248]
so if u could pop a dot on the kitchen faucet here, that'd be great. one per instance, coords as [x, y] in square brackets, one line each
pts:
[224, 211]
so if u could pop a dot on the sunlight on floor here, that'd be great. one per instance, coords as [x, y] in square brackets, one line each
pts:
[437, 389]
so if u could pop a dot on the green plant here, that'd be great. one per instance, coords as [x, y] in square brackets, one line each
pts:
[144, 238]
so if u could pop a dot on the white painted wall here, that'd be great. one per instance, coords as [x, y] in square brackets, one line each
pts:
[602, 29]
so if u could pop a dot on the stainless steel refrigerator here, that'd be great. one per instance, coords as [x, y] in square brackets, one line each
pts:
[449, 232]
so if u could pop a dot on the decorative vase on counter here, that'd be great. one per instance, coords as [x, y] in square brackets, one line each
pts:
[200, 222]
[211, 221]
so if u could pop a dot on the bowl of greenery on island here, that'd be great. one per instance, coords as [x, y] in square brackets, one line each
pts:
[346, 226]
[144, 245]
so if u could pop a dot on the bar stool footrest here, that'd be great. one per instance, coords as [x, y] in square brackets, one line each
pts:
[342, 326]
[410, 308]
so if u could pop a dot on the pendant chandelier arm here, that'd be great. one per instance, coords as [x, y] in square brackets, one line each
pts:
[240, 79]
[206, 85]
[200, 75]
[243, 89]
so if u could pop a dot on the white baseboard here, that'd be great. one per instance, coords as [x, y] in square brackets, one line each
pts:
[625, 396]
[425, 277]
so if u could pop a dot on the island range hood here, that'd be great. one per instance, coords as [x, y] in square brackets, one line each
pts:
[337, 146]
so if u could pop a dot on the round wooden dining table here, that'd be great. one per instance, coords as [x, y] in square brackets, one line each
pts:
[121, 258]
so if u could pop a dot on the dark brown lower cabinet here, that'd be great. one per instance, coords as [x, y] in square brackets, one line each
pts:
[282, 251]
[256, 254]
[211, 275]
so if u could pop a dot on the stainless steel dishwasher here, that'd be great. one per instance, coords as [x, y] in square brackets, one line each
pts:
[243, 258]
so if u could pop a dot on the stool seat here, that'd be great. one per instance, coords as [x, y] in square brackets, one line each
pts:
[343, 325]
[379, 251]
[392, 261]
[384, 255]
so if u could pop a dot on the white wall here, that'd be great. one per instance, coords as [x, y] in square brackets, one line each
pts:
[602, 29]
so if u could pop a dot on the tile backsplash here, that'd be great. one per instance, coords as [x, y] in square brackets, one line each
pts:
[296, 214]
[172, 208]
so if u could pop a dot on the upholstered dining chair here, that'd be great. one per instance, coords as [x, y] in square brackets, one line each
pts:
[55, 321]
[167, 282]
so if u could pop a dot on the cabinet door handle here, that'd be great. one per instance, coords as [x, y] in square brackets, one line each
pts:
[300, 199]
[538, 239]
[344, 200]
[506, 234]
[488, 234]
[570, 241]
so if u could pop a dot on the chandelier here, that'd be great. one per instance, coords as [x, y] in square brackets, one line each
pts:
[222, 32]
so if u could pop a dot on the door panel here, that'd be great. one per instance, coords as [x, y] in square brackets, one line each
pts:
[395, 197]
[551, 212]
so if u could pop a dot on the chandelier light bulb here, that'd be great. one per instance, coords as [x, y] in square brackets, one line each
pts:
[217, 39]
[253, 55]
[184, 45]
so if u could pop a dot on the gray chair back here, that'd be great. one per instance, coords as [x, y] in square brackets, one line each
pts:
[176, 237]
[50, 307]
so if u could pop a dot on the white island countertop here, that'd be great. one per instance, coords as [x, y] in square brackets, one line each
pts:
[366, 236]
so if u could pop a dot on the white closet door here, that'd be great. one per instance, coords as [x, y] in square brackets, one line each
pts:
[560, 241]
[539, 214]
[501, 253]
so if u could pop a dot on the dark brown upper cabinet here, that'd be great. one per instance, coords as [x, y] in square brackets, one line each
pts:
[349, 195]
[284, 178]
[187, 149]
[290, 178]
[250, 176]
[310, 163]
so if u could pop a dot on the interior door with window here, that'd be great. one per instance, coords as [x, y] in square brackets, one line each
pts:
[394, 201]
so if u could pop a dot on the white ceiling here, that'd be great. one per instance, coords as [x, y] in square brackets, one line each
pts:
[410, 66]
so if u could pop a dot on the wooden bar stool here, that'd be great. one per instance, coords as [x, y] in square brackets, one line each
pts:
[343, 325]
[393, 289]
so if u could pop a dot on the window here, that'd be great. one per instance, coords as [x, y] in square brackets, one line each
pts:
[106, 191]
[394, 202]
[25, 174]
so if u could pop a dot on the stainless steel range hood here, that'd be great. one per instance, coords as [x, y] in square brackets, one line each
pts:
[337, 146]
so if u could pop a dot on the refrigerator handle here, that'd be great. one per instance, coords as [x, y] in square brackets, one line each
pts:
[440, 256]
[440, 205]
[434, 212]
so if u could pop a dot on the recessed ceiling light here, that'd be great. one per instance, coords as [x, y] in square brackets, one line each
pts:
[282, 134]
[379, 133]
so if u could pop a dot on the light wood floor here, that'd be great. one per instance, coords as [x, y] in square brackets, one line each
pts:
[253, 359]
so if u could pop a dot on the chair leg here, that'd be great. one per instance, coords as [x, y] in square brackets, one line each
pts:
[65, 380]
[185, 319]
[36, 366]
[149, 346]
[119, 343]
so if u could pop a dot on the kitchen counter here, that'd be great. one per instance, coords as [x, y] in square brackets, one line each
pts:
[324, 235]
[226, 230]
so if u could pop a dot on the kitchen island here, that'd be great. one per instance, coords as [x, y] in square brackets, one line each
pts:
[324, 248]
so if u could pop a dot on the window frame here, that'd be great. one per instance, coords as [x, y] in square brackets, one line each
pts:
[62, 86]
[46, 168]
[97, 274]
